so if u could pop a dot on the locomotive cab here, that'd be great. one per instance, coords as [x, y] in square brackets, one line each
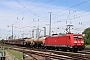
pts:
[77, 41]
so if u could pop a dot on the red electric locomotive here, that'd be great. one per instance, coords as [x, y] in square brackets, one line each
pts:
[71, 42]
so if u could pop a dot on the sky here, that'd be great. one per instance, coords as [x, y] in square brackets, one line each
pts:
[26, 15]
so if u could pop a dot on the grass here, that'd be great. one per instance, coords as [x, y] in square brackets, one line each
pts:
[15, 53]
[87, 46]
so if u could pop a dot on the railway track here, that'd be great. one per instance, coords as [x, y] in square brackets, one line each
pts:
[76, 56]
[85, 51]
[45, 54]
[52, 54]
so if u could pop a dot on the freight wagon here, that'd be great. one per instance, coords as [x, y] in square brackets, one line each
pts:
[15, 42]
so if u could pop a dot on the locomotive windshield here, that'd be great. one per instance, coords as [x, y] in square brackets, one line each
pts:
[78, 37]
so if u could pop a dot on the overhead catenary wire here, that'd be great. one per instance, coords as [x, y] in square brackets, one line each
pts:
[72, 6]
[18, 9]
[24, 6]
[27, 9]
[75, 5]
[36, 6]
[74, 13]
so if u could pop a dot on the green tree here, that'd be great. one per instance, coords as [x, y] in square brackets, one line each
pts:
[1, 41]
[87, 36]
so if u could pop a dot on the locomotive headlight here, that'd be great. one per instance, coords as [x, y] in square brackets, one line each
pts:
[82, 42]
[75, 41]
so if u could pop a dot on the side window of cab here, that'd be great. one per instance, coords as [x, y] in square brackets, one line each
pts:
[68, 37]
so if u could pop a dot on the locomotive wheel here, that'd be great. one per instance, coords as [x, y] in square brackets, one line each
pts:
[80, 49]
[70, 50]
[64, 49]
[57, 49]
[75, 50]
